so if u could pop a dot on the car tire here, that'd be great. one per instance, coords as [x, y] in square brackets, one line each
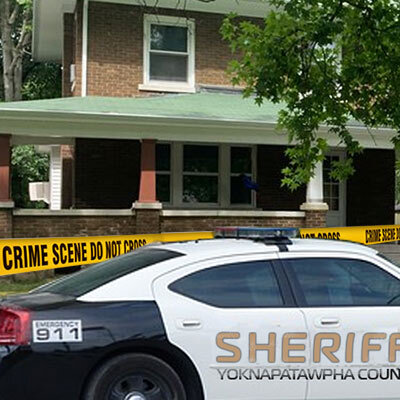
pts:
[135, 377]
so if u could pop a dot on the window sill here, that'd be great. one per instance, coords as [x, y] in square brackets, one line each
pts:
[167, 88]
[233, 213]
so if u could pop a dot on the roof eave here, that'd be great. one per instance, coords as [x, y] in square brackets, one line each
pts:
[99, 125]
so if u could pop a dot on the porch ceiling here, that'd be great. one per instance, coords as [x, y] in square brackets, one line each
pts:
[205, 117]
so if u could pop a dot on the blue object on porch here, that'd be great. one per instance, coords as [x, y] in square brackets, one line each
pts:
[250, 184]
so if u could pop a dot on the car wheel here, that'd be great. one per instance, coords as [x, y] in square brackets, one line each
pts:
[135, 377]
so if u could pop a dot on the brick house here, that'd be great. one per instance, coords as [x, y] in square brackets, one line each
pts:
[150, 136]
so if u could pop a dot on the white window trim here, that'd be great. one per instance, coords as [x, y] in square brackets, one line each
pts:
[341, 214]
[224, 178]
[55, 178]
[168, 86]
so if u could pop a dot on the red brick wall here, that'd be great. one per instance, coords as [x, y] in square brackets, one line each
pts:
[315, 219]
[185, 224]
[107, 173]
[68, 53]
[371, 190]
[5, 223]
[60, 226]
[78, 47]
[70, 226]
[272, 196]
[115, 54]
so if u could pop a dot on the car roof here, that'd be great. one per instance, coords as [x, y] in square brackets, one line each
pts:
[226, 247]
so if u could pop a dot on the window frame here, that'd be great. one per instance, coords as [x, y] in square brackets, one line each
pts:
[298, 292]
[224, 177]
[167, 172]
[338, 217]
[253, 175]
[168, 86]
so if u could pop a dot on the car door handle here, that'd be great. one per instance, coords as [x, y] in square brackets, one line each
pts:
[328, 322]
[189, 324]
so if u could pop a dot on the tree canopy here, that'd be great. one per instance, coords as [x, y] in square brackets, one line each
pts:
[23, 78]
[328, 61]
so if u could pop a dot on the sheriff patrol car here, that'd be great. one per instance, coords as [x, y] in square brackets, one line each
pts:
[254, 315]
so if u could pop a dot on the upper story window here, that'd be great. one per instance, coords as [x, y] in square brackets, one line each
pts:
[168, 54]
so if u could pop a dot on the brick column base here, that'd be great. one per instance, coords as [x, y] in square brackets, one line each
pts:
[6, 219]
[315, 214]
[148, 217]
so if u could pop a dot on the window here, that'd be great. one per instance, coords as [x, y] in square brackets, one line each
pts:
[331, 186]
[205, 175]
[241, 285]
[93, 277]
[200, 174]
[163, 168]
[241, 175]
[168, 53]
[328, 282]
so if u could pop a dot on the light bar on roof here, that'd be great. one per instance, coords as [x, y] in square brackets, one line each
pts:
[255, 233]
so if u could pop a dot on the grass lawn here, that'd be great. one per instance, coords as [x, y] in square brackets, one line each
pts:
[7, 288]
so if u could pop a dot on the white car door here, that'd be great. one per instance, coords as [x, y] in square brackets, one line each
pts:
[212, 311]
[351, 304]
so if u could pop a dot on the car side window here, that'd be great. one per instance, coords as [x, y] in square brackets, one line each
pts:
[343, 282]
[239, 285]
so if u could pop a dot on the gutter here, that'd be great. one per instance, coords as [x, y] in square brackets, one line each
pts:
[85, 23]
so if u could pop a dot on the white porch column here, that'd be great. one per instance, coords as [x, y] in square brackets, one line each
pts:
[315, 188]
[314, 206]
[55, 178]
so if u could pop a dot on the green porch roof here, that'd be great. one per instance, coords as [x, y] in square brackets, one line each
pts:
[204, 116]
[214, 106]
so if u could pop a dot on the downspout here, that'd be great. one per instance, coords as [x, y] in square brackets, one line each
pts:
[85, 18]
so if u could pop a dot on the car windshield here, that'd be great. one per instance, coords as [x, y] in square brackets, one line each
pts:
[93, 277]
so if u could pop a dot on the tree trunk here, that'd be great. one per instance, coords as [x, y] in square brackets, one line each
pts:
[18, 78]
[14, 40]
[6, 39]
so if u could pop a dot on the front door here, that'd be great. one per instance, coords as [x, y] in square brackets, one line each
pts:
[224, 314]
[351, 305]
[334, 192]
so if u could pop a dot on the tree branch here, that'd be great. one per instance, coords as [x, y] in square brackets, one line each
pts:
[14, 14]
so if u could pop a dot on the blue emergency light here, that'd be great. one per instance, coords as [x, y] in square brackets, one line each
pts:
[237, 232]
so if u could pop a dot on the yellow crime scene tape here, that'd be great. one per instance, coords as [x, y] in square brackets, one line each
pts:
[359, 234]
[28, 255]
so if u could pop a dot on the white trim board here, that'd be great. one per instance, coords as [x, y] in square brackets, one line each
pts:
[72, 213]
[67, 125]
[233, 213]
[56, 175]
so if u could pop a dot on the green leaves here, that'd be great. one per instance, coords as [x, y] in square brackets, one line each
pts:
[329, 62]
[27, 166]
[25, 3]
